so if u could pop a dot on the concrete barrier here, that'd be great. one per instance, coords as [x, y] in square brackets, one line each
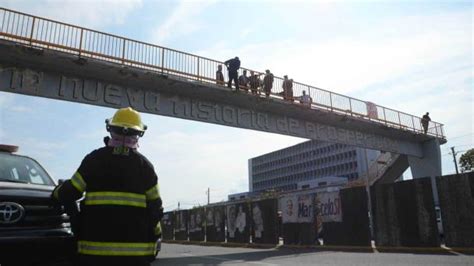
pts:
[404, 214]
[353, 229]
[456, 198]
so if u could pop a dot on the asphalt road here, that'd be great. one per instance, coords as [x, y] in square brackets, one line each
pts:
[176, 254]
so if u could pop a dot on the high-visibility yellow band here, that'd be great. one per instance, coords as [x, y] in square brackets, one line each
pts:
[158, 229]
[153, 193]
[115, 198]
[78, 182]
[116, 248]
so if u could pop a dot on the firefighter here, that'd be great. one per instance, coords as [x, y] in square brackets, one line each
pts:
[121, 206]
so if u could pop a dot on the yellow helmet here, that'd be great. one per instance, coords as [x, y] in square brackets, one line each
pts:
[126, 121]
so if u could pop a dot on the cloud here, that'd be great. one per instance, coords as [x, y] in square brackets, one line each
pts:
[410, 63]
[350, 62]
[182, 21]
[87, 13]
[190, 162]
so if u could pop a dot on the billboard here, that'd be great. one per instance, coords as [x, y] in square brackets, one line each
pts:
[215, 219]
[372, 111]
[167, 224]
[181, 225]
[196, 224]
[329, 207]
[297, 208]
[238, 222]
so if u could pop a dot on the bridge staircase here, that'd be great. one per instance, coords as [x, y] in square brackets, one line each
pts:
[387, 168]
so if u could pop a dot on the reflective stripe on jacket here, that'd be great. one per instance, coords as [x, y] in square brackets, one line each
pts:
[121, 204]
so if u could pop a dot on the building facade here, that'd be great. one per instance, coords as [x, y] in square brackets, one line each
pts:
[284, 169]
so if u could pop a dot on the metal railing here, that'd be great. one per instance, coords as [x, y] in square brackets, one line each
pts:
[45, 33]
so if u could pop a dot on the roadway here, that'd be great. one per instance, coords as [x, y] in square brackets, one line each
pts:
[176, 254]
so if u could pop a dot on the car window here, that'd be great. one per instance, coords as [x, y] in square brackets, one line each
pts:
[22, 169]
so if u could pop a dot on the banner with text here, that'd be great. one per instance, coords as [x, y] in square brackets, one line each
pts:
[329, 207]
[297, 208]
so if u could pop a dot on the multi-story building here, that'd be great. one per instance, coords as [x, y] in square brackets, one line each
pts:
[309, 161]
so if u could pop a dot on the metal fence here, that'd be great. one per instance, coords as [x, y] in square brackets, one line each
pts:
[54, 35]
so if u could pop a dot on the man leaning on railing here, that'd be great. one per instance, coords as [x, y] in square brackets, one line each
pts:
[305, 99]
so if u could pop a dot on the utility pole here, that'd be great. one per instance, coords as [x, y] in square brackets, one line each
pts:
[178, 205]
[205, 211]
[454, 159]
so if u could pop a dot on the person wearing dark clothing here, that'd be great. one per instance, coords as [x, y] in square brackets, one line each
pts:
[244, 81]
[219, 76]
[425, 121]
[121, 206]
[287, 89]
[254, 82]
[267, 83]
[233, 66]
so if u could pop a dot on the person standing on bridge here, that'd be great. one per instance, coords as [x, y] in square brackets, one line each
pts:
[287, 89]
[233, 66]
[254, 82]
[305, 99]
[244, 81]
[219, 76]
[425, 121]
[268, 83]
[120, 213]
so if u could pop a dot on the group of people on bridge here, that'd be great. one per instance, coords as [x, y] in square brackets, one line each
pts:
[255, 84]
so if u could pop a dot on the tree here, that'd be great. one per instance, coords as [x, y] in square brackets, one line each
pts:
[467, 161]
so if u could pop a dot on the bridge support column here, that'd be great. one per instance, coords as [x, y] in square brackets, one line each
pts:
[429, 165]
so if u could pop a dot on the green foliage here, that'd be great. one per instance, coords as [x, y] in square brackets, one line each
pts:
[466, 162]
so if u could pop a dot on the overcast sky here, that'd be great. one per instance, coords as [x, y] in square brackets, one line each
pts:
[413, 56]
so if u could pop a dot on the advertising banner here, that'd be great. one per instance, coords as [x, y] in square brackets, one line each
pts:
[297, 208]
[265, 221]
[167, 224]
[215, 217]
[196, 224]
[181, 225]
[238, 222]
[329, 206]
[372, 110]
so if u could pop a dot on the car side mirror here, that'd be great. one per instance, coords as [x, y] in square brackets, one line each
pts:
[61, 181]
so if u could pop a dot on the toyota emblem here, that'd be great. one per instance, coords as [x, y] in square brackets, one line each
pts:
[11, 212]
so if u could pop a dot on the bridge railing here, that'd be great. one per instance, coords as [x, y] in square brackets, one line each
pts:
[54, 35]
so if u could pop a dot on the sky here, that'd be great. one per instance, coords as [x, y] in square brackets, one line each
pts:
[412, 56]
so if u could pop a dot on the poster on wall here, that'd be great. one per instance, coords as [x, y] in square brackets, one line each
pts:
[195, 221]
[180, 221]
[257, 220]
[209, 216]
[297, 208]
[219, 219]
[329, 207]
[236, 220]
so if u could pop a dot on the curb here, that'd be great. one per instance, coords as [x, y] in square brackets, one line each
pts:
[441, 249]
[221, 244]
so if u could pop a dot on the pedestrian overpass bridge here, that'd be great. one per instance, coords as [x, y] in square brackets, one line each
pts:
[46, 58]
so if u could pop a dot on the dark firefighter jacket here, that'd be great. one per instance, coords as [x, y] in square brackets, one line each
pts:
[121, 206]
